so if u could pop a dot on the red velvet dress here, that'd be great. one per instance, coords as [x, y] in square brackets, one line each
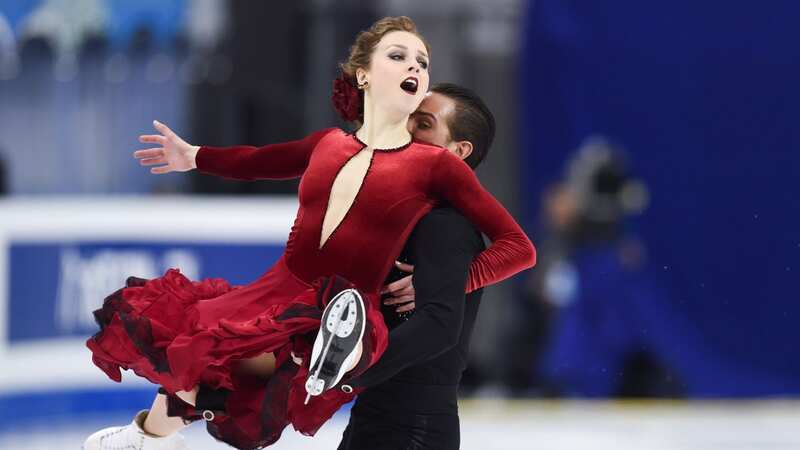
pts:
[180, 334]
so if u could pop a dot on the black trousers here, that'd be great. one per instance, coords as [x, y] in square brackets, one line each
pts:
[398, 416]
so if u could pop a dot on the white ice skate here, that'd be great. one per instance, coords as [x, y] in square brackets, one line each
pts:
[334, 353]
[133, 437]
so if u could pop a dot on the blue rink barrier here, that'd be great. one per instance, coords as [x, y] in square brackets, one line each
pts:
[69, 405]
[59, 259]
[55, 286]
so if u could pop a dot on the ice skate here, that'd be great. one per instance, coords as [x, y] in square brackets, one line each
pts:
[335, 349]
[133, 437]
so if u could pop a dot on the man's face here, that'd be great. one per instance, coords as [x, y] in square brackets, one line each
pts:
[429, 122]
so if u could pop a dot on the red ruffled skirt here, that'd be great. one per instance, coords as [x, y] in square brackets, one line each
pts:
[180, 334]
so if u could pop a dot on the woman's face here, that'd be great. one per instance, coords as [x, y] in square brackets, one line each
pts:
[398, 73]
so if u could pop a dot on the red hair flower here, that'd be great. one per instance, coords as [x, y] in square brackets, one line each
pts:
[346, 99]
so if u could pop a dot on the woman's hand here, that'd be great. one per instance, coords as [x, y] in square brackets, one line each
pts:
[173, 155]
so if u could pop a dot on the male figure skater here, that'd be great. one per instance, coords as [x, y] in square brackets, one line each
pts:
[411, 400]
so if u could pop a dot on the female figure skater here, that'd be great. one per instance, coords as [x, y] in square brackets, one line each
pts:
[360, 196]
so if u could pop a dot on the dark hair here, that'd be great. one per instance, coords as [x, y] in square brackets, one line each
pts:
[472, 120]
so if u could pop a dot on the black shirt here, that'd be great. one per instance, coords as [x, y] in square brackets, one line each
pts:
[430, 348]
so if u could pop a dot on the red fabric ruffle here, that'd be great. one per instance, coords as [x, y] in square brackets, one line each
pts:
[180, 334]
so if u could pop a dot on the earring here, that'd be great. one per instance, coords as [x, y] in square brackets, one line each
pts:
[363, 85]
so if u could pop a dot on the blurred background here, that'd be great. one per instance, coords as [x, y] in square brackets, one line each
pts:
[651, 151]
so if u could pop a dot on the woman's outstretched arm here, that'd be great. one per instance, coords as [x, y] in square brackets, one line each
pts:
[275, 161]
[511, 250]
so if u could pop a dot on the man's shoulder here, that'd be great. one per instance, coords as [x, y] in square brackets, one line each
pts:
[448, 224]
[445, 216]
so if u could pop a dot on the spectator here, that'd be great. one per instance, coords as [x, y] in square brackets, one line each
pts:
[9, 61]
[587, 305]
[3, 179]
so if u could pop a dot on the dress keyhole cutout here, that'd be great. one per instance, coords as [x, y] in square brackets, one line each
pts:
[345, 188]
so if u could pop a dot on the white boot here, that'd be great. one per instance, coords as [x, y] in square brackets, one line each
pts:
[133, 437]
[336, 349]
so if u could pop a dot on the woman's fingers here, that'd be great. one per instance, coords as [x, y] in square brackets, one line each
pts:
[163, 129]
[161, 169]
[407, 307]
[156, 156]
[149, 153]
[152, 139]
[152, 161]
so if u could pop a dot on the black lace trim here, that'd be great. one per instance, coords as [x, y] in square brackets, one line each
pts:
[386, 150]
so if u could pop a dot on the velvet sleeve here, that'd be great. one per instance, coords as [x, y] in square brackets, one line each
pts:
[274, 161]
[511, 251]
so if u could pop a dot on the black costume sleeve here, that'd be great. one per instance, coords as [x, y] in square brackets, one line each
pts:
[444, 244]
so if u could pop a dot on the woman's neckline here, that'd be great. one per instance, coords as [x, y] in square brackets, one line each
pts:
[396, 149]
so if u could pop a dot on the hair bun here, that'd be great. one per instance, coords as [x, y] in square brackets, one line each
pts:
[346, 98]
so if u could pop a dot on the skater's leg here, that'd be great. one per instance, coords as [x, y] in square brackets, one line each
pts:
[262, 365]
[149, 430]
[189, 397]
[158, 423]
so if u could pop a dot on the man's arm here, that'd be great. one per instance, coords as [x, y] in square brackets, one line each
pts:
[444, 243]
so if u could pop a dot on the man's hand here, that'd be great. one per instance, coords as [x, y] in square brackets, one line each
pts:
[401, 292]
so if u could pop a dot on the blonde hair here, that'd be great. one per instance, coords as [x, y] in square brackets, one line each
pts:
[361, 50]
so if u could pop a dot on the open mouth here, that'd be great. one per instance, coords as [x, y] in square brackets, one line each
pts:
[410, 85]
